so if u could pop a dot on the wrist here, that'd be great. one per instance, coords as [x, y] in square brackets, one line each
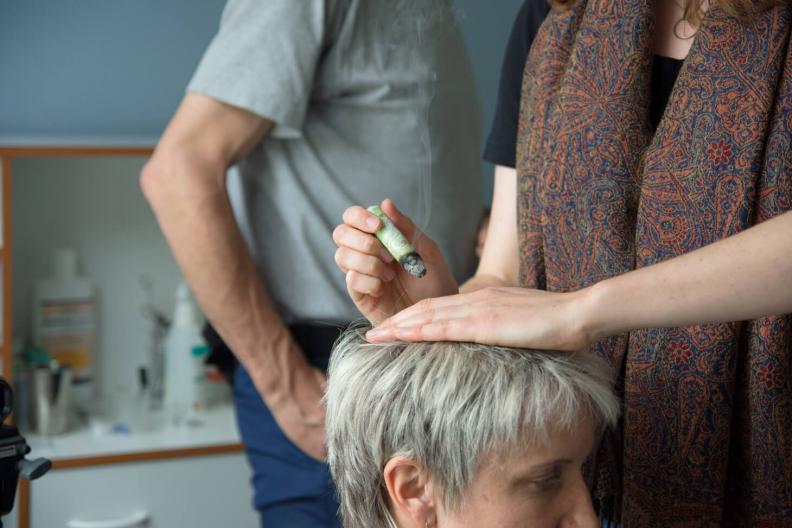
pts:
[595, 316]
[272, 365]
[482, 280]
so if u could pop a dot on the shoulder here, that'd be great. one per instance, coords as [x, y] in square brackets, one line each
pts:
[531, 15]
[526, 25]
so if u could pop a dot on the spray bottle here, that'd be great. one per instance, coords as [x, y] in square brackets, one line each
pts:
[184, 351]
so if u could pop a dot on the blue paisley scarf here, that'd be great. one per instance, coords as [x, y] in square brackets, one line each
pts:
[706, 438]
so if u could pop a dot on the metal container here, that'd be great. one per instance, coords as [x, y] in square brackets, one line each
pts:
[51, 400]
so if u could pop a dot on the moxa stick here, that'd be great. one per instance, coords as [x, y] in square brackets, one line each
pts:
[398, 246]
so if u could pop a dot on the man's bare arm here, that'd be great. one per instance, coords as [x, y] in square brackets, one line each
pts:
[185, 183]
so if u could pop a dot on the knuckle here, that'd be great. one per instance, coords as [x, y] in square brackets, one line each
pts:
[377, 288]
[359, 214]
[373, 266]
[338, 233]
[351, 214]
[370, 244]
[425, 304]
[339, 256]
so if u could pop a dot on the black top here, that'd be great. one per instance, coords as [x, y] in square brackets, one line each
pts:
[502, 141]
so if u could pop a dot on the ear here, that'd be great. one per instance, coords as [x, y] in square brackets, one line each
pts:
[411, 497]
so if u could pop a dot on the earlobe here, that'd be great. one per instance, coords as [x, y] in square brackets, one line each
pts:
[410, 494]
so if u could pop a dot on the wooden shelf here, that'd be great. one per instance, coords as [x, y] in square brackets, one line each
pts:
[145, 456]
[73, 151]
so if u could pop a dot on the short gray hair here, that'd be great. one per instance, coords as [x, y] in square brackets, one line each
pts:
[446, 406]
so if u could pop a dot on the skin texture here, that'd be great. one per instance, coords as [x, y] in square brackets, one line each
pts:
[184, 183]
[541, 487]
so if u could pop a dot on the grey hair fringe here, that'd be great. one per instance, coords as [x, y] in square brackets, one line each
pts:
[446, 406]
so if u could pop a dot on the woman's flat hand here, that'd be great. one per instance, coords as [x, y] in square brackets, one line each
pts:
[377, 284]
[515, 317]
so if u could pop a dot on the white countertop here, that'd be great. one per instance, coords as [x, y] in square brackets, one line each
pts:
[213, 427]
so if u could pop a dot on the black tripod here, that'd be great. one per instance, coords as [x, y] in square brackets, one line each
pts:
[13, 449]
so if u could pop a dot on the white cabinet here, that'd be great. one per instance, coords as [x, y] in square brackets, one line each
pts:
[195, 492]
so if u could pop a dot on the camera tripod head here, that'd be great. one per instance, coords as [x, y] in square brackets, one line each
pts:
[13, 449]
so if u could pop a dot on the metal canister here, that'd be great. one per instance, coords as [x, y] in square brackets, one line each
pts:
[50, 397]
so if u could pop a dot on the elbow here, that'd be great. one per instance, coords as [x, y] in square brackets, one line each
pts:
[150, 180]
[172, 176]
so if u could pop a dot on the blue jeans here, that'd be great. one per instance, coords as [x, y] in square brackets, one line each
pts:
[292, 490]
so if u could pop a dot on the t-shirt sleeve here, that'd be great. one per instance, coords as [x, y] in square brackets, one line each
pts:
[263, 60]
[502, 141]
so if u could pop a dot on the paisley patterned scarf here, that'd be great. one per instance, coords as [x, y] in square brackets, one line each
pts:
[707, 429]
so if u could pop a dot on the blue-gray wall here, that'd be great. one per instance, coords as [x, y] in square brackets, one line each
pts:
[487, 25]
[119, 67]
[94, 67]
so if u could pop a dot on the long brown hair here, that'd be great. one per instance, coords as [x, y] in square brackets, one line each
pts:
[743, 9]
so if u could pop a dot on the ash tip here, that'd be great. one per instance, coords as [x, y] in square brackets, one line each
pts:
[413, 265]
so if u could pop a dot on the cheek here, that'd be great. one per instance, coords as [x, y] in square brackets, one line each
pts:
[502, 511]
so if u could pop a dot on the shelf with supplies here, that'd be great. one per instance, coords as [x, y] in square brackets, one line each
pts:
[84, 194]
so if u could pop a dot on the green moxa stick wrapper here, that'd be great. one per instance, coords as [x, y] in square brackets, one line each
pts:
[398, 245]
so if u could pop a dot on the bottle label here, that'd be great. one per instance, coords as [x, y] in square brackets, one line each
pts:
[67, 332]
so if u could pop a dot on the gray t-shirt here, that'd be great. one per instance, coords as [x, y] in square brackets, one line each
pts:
[370, 99]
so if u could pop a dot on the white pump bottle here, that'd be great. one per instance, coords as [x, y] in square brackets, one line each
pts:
[184, 350]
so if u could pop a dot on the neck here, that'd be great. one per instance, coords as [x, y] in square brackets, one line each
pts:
[673, 36]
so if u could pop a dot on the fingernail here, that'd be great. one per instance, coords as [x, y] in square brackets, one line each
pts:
[372, 223]
[389, 274]
[386, 256]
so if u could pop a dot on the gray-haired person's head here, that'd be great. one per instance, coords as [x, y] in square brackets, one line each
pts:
[447, 406]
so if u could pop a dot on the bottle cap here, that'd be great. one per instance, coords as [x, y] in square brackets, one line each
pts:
[200, 351]
[64, 263]
[183, 292]
[184, 313]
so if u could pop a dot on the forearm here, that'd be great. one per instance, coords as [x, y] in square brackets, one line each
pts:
[484, 280]
[198, 223]
[742, 277]
[499, 260]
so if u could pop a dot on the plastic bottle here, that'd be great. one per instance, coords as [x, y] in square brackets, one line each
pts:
[184, 350]
[64, 321]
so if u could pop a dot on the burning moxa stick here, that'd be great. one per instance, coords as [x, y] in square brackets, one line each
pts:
[398, 246]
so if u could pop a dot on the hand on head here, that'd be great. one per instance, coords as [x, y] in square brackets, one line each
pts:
[515, 317]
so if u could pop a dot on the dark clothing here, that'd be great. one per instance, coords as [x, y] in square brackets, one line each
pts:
[502, 141]
[314, 340]
[291, 488]
[665, 71]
